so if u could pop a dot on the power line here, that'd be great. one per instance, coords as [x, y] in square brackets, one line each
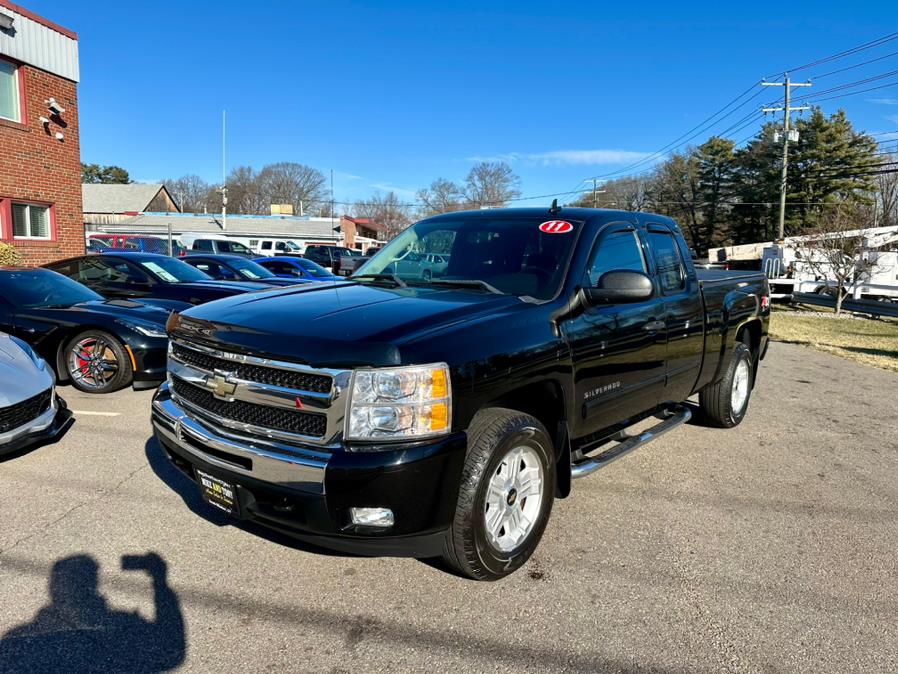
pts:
[848, 85]
[848, 52]
[702, 126]
[856, 65]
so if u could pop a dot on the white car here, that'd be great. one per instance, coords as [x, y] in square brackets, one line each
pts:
[30, 410]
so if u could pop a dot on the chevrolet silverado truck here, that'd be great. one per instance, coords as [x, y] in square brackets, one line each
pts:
[389, 414]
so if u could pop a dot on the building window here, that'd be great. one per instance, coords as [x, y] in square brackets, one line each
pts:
[9, 92]
[30, 221]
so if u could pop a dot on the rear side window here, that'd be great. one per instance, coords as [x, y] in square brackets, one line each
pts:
[203, 244]
[668, 263]
[616, 250]
[266, 245]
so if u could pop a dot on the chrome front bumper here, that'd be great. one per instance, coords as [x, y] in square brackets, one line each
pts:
[289, 466]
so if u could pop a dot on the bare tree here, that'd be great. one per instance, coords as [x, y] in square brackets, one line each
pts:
[443, 196]
[385, 210]
[491, 184]
[835, 249]
[191, 193]
[887, 190]
[291, 183]
[245, 192]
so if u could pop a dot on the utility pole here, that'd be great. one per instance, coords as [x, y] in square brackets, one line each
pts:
[224, 177]
[595, 191]
[787, 119]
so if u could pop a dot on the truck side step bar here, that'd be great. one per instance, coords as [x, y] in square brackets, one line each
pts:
[673, 417]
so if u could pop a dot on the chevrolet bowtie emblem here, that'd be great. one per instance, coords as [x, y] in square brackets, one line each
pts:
[220, 385]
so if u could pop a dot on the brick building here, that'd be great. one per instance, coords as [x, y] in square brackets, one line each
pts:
[362, 233]
[40, 157]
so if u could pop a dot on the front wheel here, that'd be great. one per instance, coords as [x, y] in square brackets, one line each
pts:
[506, 495]
[97, 363]
[724, 404]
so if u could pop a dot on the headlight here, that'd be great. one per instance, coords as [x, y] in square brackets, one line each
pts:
[39, 362]
[144, 328]
[402, 403]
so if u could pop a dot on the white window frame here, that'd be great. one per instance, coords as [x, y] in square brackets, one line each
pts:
[29, 206]
[18, 83]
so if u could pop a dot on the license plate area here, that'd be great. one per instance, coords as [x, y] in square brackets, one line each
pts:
[218, 492]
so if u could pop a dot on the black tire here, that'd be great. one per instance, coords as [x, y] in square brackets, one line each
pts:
[493, 434]
[716, 400]
[119, 377]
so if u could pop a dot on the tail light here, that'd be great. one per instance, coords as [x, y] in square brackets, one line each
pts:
[765, 302]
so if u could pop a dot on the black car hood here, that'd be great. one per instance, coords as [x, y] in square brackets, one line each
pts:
[224, 285]
[99, 312]
[338, 324]
[121, 309]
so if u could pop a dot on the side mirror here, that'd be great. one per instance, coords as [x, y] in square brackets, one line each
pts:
[618, 287]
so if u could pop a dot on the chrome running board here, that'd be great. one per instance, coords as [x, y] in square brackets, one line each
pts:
[673, 417]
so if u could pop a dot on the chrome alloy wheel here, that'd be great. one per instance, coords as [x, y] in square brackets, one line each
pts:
[513, 498]
[741, 384]
[92, 362]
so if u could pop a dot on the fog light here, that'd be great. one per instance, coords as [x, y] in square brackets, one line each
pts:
[372, 517]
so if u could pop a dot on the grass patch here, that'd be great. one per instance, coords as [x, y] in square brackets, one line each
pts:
[872, 342]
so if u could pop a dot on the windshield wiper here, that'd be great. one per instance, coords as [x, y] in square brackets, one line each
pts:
[472, 283]
[383, 277]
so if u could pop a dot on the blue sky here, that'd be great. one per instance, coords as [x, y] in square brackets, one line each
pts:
[392, 95]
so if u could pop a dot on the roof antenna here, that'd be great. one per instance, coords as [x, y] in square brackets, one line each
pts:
[554, 208]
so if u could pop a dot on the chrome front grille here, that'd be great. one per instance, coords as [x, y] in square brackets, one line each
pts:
[259, 398]
[253, 414]
[301, 381]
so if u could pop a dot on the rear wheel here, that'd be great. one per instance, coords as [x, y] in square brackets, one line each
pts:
[506, 495]
[97, 362]
[724, 404]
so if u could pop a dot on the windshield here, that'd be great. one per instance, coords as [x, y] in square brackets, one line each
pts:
[251, 270]
[170, 270]
[313, 268]
[43, 288]
[293, 246]
[512, 255]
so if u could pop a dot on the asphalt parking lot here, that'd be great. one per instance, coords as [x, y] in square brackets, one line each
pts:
[771, 547]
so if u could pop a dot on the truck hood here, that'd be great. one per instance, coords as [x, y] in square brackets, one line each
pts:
[337, 324]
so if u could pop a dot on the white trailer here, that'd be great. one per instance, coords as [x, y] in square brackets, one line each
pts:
[789, 273]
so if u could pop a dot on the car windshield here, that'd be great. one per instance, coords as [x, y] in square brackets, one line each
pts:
[170, 270]
[32, 289]
[293, 246]
[313, 268]
[523, 256]
[251, 270]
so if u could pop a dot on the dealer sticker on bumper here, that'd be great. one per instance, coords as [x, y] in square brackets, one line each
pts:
[221, 494]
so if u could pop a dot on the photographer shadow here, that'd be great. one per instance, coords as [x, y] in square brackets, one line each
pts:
[77, 631]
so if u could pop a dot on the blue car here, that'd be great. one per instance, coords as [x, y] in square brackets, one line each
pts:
[224, 267]
[285, 266]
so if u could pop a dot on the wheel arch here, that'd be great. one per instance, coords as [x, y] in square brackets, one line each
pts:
[62, 373]
[545, 400]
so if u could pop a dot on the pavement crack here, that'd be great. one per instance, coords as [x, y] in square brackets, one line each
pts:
[49, 525]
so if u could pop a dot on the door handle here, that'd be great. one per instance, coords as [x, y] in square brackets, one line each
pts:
[653, 326]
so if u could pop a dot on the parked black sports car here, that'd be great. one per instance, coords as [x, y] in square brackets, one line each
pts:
[97, 345]
[147, 276]
[237, 268]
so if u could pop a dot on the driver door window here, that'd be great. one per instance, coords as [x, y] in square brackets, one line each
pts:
[616, 250]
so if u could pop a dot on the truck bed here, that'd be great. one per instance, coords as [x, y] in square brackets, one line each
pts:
[714, 276]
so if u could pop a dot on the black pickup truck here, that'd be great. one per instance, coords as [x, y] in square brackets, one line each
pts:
[392, 414]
